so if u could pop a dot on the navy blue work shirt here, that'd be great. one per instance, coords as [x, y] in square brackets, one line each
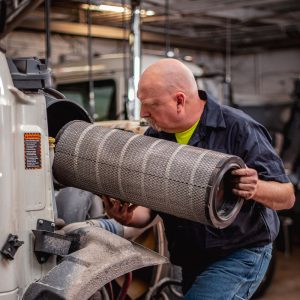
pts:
[227, 130]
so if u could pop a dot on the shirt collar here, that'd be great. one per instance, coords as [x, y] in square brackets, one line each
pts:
[213, 115]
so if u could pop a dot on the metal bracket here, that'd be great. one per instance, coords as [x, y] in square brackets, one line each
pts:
[11, 246]
[48, 243]
[46, 225]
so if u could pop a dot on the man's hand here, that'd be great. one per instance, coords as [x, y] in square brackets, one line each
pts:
[245, 183]
[121, 212]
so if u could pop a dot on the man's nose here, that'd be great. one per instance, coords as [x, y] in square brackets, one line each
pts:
[144, 113]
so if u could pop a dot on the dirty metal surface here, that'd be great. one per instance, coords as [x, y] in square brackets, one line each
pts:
[102, 257]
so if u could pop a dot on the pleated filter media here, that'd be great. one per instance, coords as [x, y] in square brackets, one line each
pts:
[184, 181]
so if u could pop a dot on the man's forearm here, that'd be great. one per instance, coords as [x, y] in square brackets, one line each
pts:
[275, 195]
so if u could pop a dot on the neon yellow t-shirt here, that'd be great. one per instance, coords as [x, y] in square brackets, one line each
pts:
[184, 137]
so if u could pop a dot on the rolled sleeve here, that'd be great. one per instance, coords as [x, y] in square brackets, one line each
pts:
[258, 153]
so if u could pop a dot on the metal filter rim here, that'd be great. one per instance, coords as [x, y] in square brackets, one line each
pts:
[219, 220]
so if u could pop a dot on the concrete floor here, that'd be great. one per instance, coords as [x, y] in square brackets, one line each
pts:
[286, 282]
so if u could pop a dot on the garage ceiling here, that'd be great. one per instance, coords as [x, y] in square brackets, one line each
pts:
[248, 26]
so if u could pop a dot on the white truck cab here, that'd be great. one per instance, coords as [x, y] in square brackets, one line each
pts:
[109, 77]
[31, 114]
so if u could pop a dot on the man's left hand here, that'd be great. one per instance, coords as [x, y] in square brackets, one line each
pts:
[245, 183]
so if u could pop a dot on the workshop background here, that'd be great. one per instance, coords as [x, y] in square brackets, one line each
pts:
[247, 54]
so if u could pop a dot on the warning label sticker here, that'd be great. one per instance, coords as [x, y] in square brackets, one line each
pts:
[32, 150]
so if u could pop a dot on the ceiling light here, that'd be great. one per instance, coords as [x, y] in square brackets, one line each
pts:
[150, 13]
[104, 7]
[170, 54]
[115, 9]
[188, 58]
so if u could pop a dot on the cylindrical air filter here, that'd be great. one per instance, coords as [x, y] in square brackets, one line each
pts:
[185, 181]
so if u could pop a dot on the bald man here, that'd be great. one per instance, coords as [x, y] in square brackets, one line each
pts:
[216, 263]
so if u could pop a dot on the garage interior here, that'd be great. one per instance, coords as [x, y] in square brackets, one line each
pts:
[246, 53]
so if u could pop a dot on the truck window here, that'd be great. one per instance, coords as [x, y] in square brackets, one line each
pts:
[105, 97]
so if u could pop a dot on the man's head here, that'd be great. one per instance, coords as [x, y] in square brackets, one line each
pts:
[169, 96]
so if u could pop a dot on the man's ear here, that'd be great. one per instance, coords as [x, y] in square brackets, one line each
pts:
[180, 101]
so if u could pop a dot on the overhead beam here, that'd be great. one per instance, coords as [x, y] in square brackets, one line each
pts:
[19, 15]
[79, 29]
[108, 32]
[204, 6]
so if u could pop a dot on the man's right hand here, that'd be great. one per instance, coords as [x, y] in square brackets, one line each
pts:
[120, 211]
